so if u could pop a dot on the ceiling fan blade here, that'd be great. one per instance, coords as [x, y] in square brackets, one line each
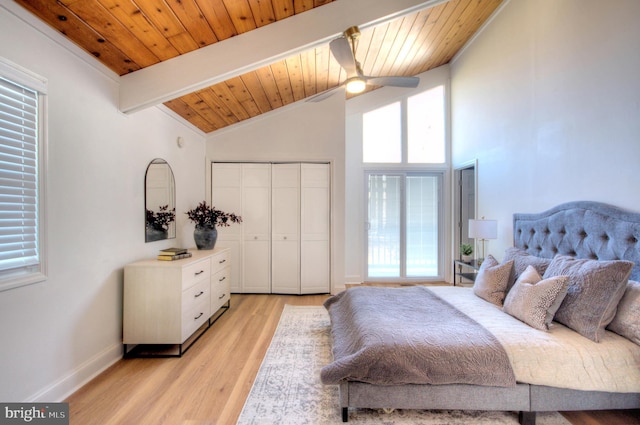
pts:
[409, 82]
[341, 50]
[319, 97]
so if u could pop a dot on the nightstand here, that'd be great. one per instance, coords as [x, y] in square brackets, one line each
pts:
[466, 271]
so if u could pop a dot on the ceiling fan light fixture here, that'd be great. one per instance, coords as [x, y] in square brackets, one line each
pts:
[356, 85]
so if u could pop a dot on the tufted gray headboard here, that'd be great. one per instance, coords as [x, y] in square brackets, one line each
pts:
[582, 229]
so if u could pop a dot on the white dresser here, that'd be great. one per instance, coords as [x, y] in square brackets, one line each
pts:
[166, 302]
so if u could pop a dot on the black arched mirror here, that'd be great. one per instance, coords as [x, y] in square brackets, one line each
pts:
[159, 201]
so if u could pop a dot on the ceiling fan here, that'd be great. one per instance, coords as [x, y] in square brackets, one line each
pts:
[343, 49]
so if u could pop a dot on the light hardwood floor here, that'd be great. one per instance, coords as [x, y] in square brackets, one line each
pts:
[209, 384]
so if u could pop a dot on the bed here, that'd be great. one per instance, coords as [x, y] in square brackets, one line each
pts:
[563, 306]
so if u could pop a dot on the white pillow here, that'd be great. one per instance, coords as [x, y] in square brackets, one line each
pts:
[492, 279]
[535, 301]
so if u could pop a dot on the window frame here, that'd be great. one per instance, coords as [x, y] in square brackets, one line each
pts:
[444, 240]
[27, 275]
[393, 169]
[404, 132]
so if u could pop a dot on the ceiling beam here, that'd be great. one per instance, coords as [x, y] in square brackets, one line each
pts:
[249, 51]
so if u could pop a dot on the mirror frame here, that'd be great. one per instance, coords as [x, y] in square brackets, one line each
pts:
[154, 184]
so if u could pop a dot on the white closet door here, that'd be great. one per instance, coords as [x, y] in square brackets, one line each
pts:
[314, 229]
[226, 195]
[285, 230]
[256, 217]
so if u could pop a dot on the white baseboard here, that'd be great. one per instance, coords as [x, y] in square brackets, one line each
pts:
[67, 385]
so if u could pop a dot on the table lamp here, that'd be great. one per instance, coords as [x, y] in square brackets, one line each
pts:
[483, 229]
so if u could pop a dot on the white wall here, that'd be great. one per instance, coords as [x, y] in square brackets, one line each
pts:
[547, 98]
[304, 131]
[57, 334]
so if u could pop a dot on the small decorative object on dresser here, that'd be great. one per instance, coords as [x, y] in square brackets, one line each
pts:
[206, 219]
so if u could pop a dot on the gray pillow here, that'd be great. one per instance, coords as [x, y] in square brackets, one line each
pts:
[595, 288]
[627, 319]
[535, 301]
[491, 281]
[521, 260]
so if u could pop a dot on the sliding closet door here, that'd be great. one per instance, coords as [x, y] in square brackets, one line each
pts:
[282, 245]
[314, 229]
[285, 231]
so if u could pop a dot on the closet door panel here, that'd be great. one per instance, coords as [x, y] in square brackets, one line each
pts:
[315, 262]
[285, 230]
[257, 267]
[226, 195]
[314, 276]
[256, 217]
[285, 269]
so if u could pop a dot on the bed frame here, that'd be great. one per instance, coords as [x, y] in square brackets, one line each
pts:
[581, 229]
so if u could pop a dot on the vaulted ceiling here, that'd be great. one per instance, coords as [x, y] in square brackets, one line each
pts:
[219, 62]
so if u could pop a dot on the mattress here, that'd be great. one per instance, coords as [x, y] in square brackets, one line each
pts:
[559, 357]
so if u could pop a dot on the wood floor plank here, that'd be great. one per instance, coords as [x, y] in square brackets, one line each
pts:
[210, 383]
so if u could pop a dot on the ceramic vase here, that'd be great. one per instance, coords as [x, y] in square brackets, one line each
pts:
[205, 237]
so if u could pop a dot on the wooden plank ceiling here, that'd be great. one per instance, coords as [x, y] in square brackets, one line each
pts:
[128, 35]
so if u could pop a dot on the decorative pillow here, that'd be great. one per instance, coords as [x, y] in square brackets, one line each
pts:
[627, 319]
[491, 281]
[533, 300]
[595, 288]
[521, 260]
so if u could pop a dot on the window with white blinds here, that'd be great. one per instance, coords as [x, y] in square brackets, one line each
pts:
[20, 253]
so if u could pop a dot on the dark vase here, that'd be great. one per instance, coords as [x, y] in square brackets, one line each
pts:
[156, 234]
[205, 237]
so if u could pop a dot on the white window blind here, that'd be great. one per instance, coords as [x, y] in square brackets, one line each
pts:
[18, 177]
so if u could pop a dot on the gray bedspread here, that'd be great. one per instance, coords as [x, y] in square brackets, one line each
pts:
[409, 335]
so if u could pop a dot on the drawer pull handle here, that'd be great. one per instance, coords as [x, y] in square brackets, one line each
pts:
[198, 316]
[197, 295]
[222, 278]
[222, 296]
[197, 273]
[222, 261]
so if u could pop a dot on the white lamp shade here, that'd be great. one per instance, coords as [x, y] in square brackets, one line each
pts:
[483, 229]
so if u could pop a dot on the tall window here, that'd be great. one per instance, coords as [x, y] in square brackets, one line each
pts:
[403, 231]
[21, 259]
[404, 156]
[408, 132]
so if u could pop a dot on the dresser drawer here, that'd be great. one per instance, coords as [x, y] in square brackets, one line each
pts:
[196, 294]
[219, 262]
[195, 272]
[220, 289]
[194, 317]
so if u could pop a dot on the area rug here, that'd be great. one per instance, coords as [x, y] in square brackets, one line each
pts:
[287, 389]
